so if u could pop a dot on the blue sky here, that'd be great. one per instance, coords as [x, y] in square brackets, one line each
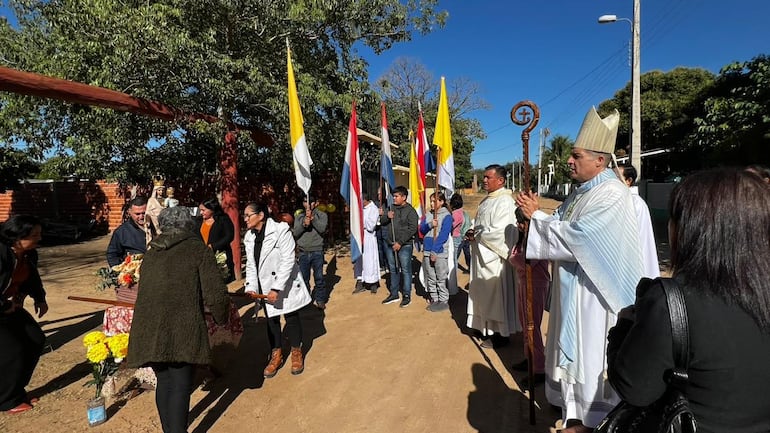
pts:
[554, 53]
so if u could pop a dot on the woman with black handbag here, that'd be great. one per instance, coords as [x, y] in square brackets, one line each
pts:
[719, 232]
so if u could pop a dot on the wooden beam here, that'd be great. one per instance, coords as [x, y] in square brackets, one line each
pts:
[32, 84]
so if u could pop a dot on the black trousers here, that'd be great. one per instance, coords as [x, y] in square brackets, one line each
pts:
[172, 395]
[293, 330]
[21, 343]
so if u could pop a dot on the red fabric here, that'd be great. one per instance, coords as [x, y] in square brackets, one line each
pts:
[118, 320]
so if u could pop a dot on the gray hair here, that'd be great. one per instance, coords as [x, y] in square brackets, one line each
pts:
[175, 218]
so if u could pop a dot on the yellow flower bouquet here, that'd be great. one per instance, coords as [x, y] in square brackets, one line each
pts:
[105, 355]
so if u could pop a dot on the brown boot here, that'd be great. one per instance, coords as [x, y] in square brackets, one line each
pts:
[297, 363]
[276, 360]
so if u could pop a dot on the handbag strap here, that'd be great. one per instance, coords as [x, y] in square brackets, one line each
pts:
[680, 329]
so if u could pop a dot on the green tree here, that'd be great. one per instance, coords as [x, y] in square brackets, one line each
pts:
[667, 100]
[14, 166]
[735, 126]
[558, 154]
[218, 57]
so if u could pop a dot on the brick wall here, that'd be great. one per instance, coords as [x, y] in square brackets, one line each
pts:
[71, 202]
[79, 201]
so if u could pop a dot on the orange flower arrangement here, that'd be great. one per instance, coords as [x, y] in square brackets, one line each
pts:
[125, 273]
[128, 271]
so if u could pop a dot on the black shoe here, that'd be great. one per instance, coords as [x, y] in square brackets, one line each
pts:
[390, 299]
[494, 341]
[405, 302]
[539, 380]
[521, 366]
[359, 287]
[500, 341]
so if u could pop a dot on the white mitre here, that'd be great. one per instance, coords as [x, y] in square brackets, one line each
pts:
[598, 134]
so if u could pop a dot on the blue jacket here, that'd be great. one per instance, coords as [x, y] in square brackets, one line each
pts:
[444, 231]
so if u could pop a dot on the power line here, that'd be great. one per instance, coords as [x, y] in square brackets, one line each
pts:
[570, 87]
[662, 24]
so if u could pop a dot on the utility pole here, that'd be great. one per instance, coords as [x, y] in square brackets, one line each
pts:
[544, 133]
[636, 102]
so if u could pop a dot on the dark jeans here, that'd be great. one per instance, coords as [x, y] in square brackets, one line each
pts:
[293, 330]
[381, 245]
[314, 260]
[172, 395]
[465, 248]
[400, 278]
[21, 340]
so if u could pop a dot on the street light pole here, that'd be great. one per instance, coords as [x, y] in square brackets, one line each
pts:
[636, 100]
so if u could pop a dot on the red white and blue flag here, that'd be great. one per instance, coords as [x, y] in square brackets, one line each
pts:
[424, 164]
[350, 188]
[386, 161]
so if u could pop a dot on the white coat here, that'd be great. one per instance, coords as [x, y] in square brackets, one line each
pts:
[277, 270]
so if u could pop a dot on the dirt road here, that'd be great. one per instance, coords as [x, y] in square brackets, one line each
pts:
[370, 368]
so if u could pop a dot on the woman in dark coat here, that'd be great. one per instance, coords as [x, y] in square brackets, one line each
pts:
[21, 339]
[719, 232]
[217, 231]
[169, 332]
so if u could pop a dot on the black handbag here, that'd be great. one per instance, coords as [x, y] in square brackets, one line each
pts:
[670, 413]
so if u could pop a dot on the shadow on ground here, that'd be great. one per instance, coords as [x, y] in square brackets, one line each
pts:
[494, 406]
[245, 368]
[74, 374]
[58, 337]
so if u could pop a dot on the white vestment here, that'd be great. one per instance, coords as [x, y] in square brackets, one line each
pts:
[370, 258]
[650, 266]
[593, 233]
[491, 294]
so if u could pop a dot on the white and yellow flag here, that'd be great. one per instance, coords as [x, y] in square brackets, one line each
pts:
[302, 161]
[442, 137]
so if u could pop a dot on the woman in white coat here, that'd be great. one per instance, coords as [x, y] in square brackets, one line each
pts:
[271, 269]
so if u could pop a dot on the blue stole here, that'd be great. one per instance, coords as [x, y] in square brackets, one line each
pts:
[606, 246]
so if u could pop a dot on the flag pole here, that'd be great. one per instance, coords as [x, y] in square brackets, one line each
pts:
[424, 200]
[435, 194]
[382, 107]
[527, 114]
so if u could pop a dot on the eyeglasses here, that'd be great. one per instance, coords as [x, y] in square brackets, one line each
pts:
[248, 215]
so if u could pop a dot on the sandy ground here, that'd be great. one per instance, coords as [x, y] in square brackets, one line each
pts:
[369, 368]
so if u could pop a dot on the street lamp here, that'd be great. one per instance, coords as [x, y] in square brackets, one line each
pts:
[636, 101]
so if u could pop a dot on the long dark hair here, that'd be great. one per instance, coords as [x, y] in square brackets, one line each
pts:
[456, 201]
[213, 205]
[17, 227]
[721, 238]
